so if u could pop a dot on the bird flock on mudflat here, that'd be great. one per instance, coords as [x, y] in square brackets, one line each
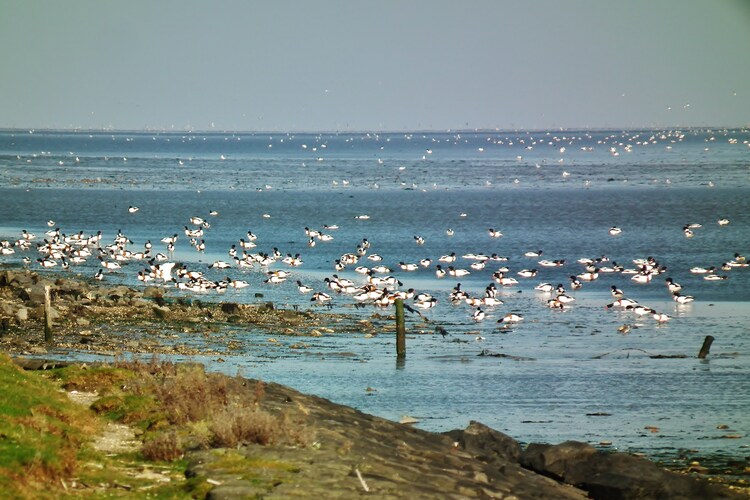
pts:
[377, 285]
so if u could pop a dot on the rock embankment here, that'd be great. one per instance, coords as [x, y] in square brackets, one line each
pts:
[355, 454]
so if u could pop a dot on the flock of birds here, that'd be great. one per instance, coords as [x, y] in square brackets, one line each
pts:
[378, 286]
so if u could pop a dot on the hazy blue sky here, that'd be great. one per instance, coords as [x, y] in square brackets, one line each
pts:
[393, 65]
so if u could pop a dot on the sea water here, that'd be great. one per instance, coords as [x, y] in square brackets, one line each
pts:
[569, 374]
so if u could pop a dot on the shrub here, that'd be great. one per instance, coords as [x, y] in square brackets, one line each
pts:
[165, 446]
[236, 426]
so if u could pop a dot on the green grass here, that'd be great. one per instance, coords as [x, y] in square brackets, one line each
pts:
[44, 436]
[40, 429]
[46, 439]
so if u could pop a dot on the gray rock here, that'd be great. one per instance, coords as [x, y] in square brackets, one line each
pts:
[140, 303]
[554, 460]
[72, 288]
[233, 490]
[486, 443]
[230, 308]
[6, 277]
[22, 314]
[36, 294]
[38, 313]
[25, 280]
[119, 292]
[16, 279]
[152, 292]
[160, 311]
[616, 475]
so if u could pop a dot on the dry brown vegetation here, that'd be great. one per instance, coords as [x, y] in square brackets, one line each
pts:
[180, 407]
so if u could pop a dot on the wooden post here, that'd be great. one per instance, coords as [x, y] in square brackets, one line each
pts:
[400, 330]
[705, 347]
[47, 316]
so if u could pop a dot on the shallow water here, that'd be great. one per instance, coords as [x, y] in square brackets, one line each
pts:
[580, 364]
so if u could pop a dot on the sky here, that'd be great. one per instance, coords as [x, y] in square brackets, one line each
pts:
[352, 65]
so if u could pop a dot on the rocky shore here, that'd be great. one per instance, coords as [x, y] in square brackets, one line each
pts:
[359, 454]
[346, 453]
[339, 452]
[112, 320]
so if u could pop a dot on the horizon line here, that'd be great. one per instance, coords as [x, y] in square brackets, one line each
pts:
[368, 131]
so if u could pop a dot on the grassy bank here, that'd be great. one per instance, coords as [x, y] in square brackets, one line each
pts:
[50, 445]
[42, 432]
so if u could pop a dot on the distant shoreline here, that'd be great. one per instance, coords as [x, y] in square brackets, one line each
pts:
[692, 128]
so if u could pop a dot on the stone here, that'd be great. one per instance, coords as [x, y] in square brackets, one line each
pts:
[606, 475]
[22, 314]
[160, 311]
[486, 443]
[38, 313]
[618, 475]
[18, 280]
[36, 292]
[119, 292]
[73, 288]
[25, 280]
[234, 489]
[151, 292]
[6, 277]
[553, 460]
[230, 308]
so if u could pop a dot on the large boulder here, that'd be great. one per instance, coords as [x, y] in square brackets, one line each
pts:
[75, 289]
[486, 443]
[16, 278]
[615, 476]
[555, 460]
[6, 277]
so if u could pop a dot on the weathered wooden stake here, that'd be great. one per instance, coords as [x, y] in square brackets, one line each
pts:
[705, 347]
[47, 316]
[400, 330]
